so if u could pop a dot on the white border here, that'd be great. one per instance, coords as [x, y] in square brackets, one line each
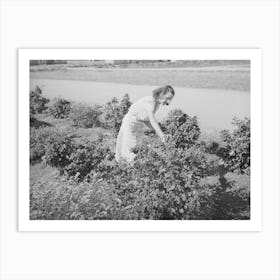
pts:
[254, 224]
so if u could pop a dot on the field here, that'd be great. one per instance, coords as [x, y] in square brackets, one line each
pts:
[195, 175]
[229, 77]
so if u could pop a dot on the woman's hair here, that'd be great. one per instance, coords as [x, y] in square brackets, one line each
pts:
[163, 90]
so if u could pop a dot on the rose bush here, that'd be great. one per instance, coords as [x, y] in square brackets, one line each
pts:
[237, 146]
[85, 116]
[183, 129]
[58, 151]
[59, 108]
[38, 141]
[37, 102]
[166, 180]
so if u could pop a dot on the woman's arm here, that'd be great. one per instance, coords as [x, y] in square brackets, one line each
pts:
[148, 124]
[155, 126]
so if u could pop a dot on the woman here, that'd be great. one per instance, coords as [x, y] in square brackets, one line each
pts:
[142, 111]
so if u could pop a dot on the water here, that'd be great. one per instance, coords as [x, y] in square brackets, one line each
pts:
[214, 108]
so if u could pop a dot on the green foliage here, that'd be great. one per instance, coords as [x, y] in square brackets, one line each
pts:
[38, 139]
[237, 150]
[183, 129]
[85, 116]
[87, 157]
[72, 159]
[166, 180]
[113, 113]
[37, 103]
[68, 200]
[50, 201]
[59, 108]
[125, 103]
[161, 184]
[58, 151]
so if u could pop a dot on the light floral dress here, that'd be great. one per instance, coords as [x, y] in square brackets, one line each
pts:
[127, 138]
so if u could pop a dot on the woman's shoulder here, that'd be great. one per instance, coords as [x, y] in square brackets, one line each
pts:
[147, 100]
[148, 103]
[144, 104]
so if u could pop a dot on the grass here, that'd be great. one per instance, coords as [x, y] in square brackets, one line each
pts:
[66, 125]
[42, 173]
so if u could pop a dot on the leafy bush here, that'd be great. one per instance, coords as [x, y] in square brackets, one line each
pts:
[69, 200]
[85, 116]
[59, 108]
[237, 150]
[50, 201]
[58, 151]
[183, 129]
[125, 103]
[87, 157]
[166, 180]
[72, 159]
[38, 139]
[163, 182]
[37, 103]
[159, 185]
[113, 113]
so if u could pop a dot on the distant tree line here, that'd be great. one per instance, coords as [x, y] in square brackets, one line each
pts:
[133, 62]
[47, 62]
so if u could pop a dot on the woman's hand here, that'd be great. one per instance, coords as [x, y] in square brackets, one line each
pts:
[156, 127]
[164, 138]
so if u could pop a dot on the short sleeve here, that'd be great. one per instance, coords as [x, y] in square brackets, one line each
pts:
[149, 104]
[142, 108]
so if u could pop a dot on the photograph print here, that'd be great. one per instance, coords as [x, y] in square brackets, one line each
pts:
[140, 139]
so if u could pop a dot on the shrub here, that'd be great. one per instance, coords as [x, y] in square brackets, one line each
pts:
[95, 202]
[38, 139]
[87, 157]
[69, 200]
[125, 103]
[113, 113]
[183, 129]
[73, 159]
[162, 183]
[165, 188]
[165, 181]
[59, 108]
[50, 201]
[85, 116]
[58, 151]
[37, 103]
[237, 150]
